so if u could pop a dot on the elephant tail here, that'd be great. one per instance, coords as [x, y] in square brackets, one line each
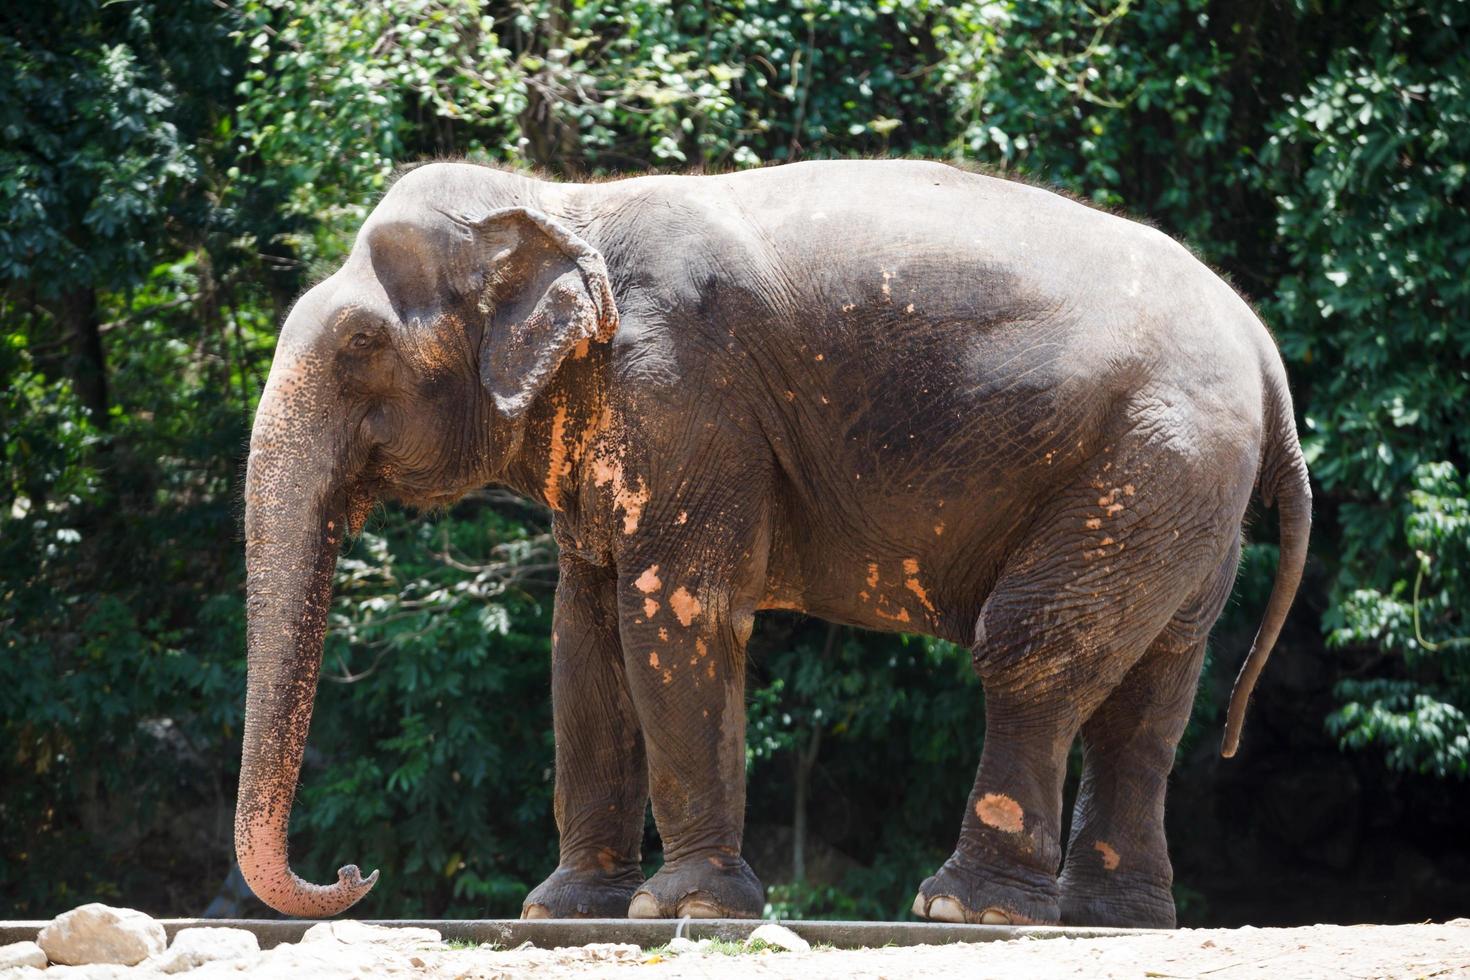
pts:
[1282, 481]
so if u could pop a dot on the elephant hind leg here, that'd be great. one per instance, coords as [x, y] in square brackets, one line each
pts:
[1103, 571]
[1117, 871]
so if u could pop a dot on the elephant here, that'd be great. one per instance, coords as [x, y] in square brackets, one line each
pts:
[893, 394]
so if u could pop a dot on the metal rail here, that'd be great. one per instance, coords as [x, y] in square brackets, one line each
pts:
[549, 933]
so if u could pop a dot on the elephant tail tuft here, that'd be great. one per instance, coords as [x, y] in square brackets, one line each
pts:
[1282, 481]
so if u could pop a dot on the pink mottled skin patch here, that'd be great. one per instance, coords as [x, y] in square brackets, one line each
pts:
[648, 582]
[1110, 857]
[650, 607]
[685, 606]
[653, 660]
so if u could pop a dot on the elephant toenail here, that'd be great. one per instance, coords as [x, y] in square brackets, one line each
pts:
[994, 917]
[644, 906]
[919, 909]
[698, 909]
[945, 909]
[535, 912]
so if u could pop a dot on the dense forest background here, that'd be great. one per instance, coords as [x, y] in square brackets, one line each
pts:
[173, 174]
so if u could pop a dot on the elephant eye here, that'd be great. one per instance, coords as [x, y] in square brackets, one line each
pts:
[361, 340]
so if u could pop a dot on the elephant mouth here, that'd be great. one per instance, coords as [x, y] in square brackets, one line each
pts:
[385, 479]
[429, 498]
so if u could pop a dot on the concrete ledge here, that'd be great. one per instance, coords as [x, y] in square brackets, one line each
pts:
[549, 933]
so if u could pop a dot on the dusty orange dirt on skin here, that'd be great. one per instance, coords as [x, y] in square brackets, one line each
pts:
[1109, 856]
[911, 582]
[1001, 812]
[648, 582]
[685, 606]
[609, 472]
[872, 575]
[557, 465]
[902, 616]
[653, 660]
[650, 607]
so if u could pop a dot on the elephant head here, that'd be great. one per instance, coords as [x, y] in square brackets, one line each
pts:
[408, 374]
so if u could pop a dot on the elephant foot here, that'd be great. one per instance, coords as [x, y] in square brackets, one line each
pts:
[574, 894]
[964, 892]
[711, 886]
[1120, 898]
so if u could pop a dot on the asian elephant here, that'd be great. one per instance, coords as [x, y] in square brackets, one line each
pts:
[893, 394]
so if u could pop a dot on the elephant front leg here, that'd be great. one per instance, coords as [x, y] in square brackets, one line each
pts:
[601, 774]
[685, 659]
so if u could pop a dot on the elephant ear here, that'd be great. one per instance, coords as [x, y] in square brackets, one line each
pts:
[546, 291]
[540, 290]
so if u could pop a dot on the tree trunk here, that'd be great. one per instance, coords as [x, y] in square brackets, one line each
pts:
[86, 365]
[804, 760]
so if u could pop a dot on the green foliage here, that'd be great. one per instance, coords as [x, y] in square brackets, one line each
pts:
[334, 91]
[1368, 168]
[434, 719]
[99, 146]
[1421, 722]
[171, 175]
[908, 707]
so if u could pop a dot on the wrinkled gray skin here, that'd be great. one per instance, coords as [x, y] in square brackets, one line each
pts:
[892, 394]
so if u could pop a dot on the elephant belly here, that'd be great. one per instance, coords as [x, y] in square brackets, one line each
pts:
[929, 574]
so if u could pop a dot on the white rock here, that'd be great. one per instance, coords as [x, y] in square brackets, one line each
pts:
[91, 971]
[780, 937]
[22, 954]
[22, 973]
[352, 931]
[681, 944]
[98, 933]
[195, 947]
[315, 961]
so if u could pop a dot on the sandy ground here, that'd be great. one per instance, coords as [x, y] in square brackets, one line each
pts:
[1217, 954]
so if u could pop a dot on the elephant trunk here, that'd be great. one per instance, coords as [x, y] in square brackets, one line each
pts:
[294, 520]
